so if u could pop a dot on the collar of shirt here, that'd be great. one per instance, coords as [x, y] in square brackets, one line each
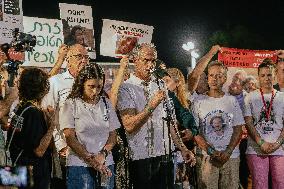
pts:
[67, 75]
[135, 80]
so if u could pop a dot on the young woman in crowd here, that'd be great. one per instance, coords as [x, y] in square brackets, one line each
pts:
[31, 128]
[88, 122]
[264, 115]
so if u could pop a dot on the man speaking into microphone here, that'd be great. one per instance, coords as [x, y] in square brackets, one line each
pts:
[140, 103]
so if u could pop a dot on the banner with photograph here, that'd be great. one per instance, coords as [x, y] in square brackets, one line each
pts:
[244, 58]
[11, 17]
[49, 38]
[78, 27]
[119, 38]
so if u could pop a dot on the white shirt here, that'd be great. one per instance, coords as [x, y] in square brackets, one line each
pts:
[149, 140]
[226, 110]
[60, 88]
[92, 130]
[270, 130]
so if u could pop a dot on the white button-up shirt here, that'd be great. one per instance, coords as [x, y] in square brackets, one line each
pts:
[152, 139]
[60, 88]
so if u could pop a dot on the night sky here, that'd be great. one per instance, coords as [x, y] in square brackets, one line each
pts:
[177, 22]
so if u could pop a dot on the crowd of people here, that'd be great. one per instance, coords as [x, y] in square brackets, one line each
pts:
[152, 129]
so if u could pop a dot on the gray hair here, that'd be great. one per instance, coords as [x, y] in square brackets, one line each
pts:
[137, 49]
[248, 79]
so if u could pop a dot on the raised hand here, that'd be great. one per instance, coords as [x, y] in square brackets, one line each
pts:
[215, 49]
[280, 53]
[157, 98]
[62, 51]
[124, 61]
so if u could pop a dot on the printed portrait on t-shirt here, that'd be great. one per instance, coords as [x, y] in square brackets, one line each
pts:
[217, 125]
[265, 126]
[125, 44]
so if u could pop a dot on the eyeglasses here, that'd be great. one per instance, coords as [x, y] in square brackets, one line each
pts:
[80, 56]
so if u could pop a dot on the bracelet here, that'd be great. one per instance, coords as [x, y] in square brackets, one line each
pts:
[210, 150]
[279, 141]
[149, 109]
[260, 143]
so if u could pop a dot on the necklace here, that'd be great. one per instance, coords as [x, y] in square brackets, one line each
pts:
[267, 110]
[90, 105]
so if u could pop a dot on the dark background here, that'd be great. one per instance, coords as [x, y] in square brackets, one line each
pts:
[239, 24]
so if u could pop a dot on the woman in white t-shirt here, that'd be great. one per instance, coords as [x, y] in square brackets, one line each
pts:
[88, 122]
[264, 115]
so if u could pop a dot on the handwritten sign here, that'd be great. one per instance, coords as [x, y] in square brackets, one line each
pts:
[11, 17]
[49, 38]
[244, 58]
[78, 15]
[119, 38]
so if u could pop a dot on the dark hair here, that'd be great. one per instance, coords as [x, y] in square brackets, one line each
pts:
[33, 84]
[71, 38]
[90, 71]
[266, 63]
[220, 117]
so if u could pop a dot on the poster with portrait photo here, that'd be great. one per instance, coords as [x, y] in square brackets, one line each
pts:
[77, 24]
[125, 44]
[119, 38]
[11, 17]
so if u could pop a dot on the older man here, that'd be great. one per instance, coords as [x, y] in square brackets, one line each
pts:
[60, 88]
[140, 102]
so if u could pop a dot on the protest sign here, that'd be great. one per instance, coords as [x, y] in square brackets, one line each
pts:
[78, 27]
[11, 17]
[49, 37]
[119, 38]
[244, 58]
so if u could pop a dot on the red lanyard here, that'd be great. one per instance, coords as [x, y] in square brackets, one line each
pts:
[267, 111]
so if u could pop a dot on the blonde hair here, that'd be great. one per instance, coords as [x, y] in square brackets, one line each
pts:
[177, 75]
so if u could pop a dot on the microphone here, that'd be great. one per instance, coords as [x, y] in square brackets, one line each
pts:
[159, 70]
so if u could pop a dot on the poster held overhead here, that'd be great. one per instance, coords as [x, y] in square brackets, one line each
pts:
[119, 38]
[78, 27]
[11, 17]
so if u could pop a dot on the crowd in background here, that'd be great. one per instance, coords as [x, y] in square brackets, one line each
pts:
[153, 128]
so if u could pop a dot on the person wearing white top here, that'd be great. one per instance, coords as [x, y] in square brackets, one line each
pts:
[60, 87]
[219, 119]
[142, 111]
[88, 122]
[264, 115]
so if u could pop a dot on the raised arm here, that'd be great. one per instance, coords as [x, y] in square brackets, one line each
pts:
[194, 76]
[63, 49]
[118, 80]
